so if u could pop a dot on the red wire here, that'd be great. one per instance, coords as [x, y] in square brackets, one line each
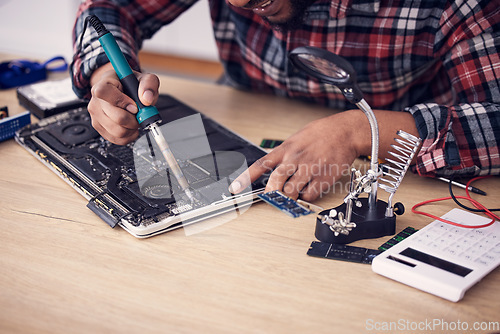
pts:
[481, 207]
[488, 212]
[470, 199]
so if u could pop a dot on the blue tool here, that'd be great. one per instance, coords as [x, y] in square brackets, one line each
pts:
[147, 116]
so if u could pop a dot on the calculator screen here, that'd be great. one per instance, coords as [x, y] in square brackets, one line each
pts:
[436, 262]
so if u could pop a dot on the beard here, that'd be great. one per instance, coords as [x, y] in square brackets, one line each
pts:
[296, 18]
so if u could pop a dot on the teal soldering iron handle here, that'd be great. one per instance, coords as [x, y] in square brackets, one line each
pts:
[146, 114]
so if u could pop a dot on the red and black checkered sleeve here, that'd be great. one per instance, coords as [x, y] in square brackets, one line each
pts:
[464, 138]
[130, 22]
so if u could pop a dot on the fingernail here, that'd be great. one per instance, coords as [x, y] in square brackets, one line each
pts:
[132, 108]
[148, 96]
[235, 187]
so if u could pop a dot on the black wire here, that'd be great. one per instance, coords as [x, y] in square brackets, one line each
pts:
[80, 40]
[462, 205]
[78, 46]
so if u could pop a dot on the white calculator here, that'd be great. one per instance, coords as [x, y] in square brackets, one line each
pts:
[443, 259]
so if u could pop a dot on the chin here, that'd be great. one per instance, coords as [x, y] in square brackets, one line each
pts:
[293, 19]
[285, 24]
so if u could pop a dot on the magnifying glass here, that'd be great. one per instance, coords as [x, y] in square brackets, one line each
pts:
[332, 69]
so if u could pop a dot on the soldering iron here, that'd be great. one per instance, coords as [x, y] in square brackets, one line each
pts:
[147, 116]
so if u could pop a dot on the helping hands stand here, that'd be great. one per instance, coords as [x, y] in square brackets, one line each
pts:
[358, 218]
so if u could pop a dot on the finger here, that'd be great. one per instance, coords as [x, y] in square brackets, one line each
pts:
[110, 89]
[123, 138]
[111, 116]
[117, 116]
[259, 167]
[314, 189]
[280, 176]
[149, 85]
[294, 185]
[119, 129]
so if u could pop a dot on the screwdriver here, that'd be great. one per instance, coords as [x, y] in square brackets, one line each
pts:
[147, 116]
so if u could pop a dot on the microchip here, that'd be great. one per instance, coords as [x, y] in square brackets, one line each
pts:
[342, 252]
[270, 143]
[355, 254]
[398, 238]
[285, 204]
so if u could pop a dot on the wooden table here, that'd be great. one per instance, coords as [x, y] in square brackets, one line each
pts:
[63, 270]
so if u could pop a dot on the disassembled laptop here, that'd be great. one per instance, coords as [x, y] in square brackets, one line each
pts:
[129, 186]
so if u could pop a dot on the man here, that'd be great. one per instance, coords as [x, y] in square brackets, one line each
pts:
[430, 68]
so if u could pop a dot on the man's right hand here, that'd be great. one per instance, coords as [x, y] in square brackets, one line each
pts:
[113, 113]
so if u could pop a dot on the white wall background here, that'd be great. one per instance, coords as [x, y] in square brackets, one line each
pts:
[41, 29]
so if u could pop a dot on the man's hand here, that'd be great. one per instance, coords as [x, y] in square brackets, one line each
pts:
[309, 162]
[113, 113]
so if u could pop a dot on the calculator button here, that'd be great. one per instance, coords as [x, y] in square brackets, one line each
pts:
[458, 232]
[489, 257]
[480, 247]
[422, 240]
[440, 228]
[466, 242]
[482, 261]
[451, 236]
[451, 251]
[472, 236]
[474, 252]
[465, 256]
[496, 249]
[457, 246]
[442, 242]
[434, 232]
[488, 242]
[492, 237]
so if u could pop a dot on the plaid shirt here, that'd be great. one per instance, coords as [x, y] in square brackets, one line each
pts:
[438, 60]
